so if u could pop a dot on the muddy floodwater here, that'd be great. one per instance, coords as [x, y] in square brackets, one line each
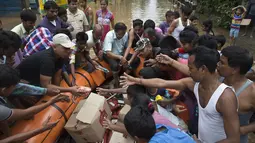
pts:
[128, 10]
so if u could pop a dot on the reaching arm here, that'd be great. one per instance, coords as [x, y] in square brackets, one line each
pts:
[57, 78]
[180, 67]
[21, 137]
[46, 82]
[172, 27]
[227, 106]
[130, 41]
[114, 56]
[160, 83]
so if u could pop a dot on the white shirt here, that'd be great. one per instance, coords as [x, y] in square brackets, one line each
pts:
[91, 43]
[115, 45]
[20, 30]
[210, 121]
[77, 20]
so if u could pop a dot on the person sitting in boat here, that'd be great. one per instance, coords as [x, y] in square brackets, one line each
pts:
[134, 34]
[44, 68]
[80, 57]
[94, 41]
[9, 78]
[151, 24]
[141, 125]
[115, 43]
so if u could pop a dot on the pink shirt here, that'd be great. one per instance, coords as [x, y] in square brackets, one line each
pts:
[159, 119]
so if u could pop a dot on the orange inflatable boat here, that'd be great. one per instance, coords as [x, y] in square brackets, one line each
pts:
[62, 111]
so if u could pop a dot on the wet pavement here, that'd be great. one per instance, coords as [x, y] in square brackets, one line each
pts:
[128, 10]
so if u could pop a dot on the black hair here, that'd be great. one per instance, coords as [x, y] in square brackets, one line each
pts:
[50, 5]
[140, 123]
[8, 76]
[208, 24]
[205, 57]
[135, 90]
[28, 15]
[207, 41]
[64, 31]
[191, 28]
[188, 36]
[186, 10]
[9, 39]
[144, 101]
[137, 22]
[238, 58]
[150, 31]
[119, 27]
[82, 37]
[169, 13]
[242, 10]
[176, 14]
[150, 72]
[106, 1]
[61, 11]
[149, 24]
[69, 1]
[193, 17]
[221, 39]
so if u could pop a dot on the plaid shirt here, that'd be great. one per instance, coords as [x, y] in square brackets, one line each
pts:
[40, 39]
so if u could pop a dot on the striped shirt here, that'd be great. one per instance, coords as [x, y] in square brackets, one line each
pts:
[236, 21]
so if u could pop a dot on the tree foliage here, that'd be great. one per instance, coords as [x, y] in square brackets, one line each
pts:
[218, 10]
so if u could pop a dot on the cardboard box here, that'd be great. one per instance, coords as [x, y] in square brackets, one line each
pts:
[119, 138]
[85, 125]
[123, 112]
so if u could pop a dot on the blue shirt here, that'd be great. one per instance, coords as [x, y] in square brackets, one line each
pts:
[52, 28]
[115, 45]
[170, 135]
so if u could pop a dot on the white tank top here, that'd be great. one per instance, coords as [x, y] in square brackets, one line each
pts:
[179, 28]
[210, 121]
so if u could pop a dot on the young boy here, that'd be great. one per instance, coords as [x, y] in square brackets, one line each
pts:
[166, 24]
[238, 14]
[194, 20]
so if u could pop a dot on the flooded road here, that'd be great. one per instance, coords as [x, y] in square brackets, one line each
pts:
[128, 10]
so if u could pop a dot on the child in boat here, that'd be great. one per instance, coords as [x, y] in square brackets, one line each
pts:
[238, 14]
[166, 24]
[141, 125]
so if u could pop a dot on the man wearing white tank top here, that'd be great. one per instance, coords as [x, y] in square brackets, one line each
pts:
[179, 24]
[218, 118]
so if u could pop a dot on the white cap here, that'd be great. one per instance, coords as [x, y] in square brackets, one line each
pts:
[63, 39]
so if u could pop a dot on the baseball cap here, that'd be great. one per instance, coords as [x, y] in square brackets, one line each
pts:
[63, 40]
[141, 44]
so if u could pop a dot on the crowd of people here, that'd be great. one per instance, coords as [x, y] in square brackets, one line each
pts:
[214, 82]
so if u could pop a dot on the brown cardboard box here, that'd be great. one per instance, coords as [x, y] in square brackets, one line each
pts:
[119, 138]
[123, 112]
[85, 125]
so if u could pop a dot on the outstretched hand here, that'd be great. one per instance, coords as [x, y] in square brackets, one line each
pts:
[127, 80]
[48, 125]
[164, 59]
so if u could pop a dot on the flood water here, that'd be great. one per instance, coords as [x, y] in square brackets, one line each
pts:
[127, 10]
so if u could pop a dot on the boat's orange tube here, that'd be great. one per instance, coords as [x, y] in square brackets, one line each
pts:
[62, 111]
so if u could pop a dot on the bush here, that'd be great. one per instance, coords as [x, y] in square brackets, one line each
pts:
[218, 10]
